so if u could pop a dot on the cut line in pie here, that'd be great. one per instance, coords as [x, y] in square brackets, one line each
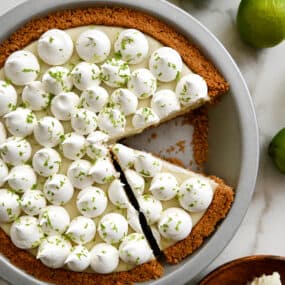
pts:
[77, 207]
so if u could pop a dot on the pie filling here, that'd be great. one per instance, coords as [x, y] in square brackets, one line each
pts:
[63, 100]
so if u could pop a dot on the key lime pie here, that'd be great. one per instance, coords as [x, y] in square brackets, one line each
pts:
[73, 84]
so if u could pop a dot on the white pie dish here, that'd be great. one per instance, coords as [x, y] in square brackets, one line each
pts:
[233, 129]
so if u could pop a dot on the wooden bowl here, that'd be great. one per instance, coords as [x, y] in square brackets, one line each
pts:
[240, 271]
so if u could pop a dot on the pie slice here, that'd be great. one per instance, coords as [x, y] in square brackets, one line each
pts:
[182, 207]
[72, 83]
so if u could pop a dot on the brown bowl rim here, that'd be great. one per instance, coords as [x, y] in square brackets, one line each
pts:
[235, 262]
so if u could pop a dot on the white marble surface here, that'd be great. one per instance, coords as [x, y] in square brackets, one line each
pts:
[262, 229]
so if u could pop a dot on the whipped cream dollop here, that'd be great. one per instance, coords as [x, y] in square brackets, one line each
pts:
[64, 105]
[125, 101]
[26, 233]
[15, 151]
[35, 97]
[273, 279]
[91, 202]
[175, 224]
[195, 194]
[117, 194]
[32, 202]
[53, 251]
[142, 83]
[124, 155]
[144, 117]
[133, 219]
[78, 173]
[192, 89]
[79, 259]
[54, 220]
[132, 46]
[104, 258]
[98, 137]
[55, 47]
[147, 165]
[112, 121]
[135, 250]
[84, 121]
[8, 97]
[81, 230]
[115, 73]
[85, 75]
[93, 46]
[46, 162]
[20, 122]
[97, 147]
[48, 131]
[57, 79]
[164, 186]
[103, 171]
[73, 146]
[3, 172]
[165, 64]
[21, 178]
[151, 207]
[10, 207]
[164, 103]
[112, 228]
[21, 67]
[135, 181]
[94, 98]
[58, 189]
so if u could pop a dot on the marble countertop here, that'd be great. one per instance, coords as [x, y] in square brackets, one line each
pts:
[264, 71]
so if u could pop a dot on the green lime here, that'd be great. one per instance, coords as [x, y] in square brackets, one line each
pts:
[261, 23]
[276, 150]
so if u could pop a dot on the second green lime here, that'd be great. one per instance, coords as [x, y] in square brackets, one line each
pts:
[261, 23]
